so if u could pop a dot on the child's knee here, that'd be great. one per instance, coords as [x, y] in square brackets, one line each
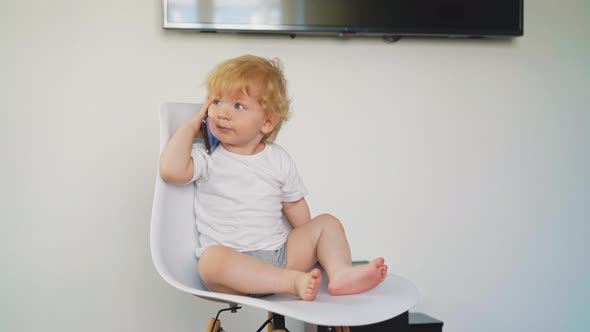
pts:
[211, 262]
[330, 221]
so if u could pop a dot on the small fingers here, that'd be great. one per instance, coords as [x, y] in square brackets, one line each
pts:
[204, 108]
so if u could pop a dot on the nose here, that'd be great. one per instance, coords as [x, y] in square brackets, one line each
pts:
[223, 113]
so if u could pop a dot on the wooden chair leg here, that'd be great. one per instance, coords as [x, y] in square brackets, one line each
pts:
[269, 327]
[214, 325]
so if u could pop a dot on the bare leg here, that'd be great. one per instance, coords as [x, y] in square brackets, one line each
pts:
[228, 271]
[324, 240]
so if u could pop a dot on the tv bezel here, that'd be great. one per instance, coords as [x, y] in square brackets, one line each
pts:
[345, 30]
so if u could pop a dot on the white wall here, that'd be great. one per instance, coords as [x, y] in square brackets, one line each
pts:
[473, 178]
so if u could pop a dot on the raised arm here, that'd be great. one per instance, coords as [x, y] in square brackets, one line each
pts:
[297, 212]
[176, 164]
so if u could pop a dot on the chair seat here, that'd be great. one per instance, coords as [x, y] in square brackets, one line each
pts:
[173, 240]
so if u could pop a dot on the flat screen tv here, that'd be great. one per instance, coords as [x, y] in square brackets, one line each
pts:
[395, 18]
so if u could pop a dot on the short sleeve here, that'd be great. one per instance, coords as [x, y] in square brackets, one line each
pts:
[292, 188]
[200, 162]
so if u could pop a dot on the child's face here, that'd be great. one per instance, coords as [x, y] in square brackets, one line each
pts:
[238, 120]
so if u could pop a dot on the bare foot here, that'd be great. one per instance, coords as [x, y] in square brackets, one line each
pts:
[307, 285]
[359, 278]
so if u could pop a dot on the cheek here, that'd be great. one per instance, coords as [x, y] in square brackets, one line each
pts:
[256, 122]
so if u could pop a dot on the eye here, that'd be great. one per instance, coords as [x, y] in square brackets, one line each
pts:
[239, 107]
[216, 102]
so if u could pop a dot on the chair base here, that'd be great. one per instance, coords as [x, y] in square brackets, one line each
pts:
[274, 323]
[214, 324]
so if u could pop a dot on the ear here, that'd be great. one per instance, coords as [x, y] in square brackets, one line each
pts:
[270, 121]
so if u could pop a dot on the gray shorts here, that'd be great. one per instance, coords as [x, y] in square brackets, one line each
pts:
[275, 257]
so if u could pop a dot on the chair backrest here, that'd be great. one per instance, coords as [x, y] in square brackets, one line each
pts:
[172, 230]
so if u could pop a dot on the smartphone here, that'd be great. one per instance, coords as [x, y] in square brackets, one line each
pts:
[211, 141]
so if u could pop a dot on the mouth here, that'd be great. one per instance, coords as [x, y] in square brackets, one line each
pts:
[222, 128]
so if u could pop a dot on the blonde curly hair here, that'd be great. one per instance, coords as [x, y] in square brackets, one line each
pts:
[257, 77]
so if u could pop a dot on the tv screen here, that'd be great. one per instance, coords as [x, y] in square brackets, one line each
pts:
[463, 18]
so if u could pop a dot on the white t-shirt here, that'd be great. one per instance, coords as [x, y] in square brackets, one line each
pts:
[238, 197]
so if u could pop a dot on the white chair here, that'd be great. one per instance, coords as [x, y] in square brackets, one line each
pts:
[172, 241]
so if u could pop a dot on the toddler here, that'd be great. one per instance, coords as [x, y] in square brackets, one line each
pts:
[248, 184]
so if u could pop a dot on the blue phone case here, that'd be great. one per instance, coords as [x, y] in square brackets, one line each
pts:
[211, 141]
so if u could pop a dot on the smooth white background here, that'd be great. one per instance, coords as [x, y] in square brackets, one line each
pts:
[471, 176]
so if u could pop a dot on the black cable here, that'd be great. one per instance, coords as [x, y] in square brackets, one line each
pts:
[233, 308]
[263, 325]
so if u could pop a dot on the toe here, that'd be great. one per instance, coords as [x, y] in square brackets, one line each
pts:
[379, 261]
